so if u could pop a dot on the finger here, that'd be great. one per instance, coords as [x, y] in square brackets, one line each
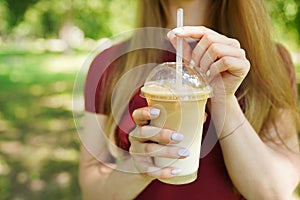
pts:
[164, 173]
[160, 135]
[186, 48]
[217, 51]
[155, 134]
[158, 150]
[145, 165]
[236, 66]
[195, 32]
[206, 41]
[142, 163]
[141, 116]
[201, 32]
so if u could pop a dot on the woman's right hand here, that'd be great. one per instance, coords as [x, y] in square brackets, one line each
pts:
[148, 142]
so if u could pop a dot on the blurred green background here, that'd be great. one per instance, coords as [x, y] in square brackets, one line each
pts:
[43, 44]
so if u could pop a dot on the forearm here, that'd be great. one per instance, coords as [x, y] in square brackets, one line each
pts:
[255, 169]
[100, 181]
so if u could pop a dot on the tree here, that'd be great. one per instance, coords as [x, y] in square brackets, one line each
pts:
[104, 18]
[286, 18]
[45, 18]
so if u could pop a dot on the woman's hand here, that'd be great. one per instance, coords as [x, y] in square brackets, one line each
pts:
[148, 142]
[221, 58]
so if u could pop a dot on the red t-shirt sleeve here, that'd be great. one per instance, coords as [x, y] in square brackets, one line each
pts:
[98, 80]
[99, 73]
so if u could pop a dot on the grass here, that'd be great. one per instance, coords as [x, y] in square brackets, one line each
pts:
[38, 142]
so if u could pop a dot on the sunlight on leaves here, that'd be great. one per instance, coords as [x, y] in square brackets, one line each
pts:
[65, 154]
[22, 177]
[291, 10]
[4, 167]
[37, 185]
[12, 148]
[57, 101]
[4, 125]
[21, 112]
[66, 64]
[63, 179]
[58, 125]
[36, 90]
[40, 140]
[59, 86]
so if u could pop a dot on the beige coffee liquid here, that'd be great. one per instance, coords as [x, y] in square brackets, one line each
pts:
[183, 112]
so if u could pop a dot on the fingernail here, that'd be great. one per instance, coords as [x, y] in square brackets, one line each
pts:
[178, 31]
[207, 72]
[154, 112]
[183, 152]
[176, 171]
[177, 137]
[170, 34]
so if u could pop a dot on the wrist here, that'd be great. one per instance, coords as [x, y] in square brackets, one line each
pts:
[226, 115]
[225, 134]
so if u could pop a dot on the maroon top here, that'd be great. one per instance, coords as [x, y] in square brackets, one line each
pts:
[212, 182]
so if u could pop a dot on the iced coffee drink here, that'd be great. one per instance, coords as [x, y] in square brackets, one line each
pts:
[182, 110]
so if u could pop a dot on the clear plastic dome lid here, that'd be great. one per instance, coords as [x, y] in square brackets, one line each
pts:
[163, 81]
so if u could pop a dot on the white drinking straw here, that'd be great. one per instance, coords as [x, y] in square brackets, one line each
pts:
[179, 50]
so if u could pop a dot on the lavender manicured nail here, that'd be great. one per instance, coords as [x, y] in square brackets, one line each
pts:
[176, 171]
[177, 137]
[183, 152]
[154, 112]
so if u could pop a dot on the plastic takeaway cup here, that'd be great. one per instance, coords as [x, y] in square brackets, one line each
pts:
[182, 110]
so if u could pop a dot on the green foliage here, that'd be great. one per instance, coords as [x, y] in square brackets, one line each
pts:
[17, 9]
[44, 18]
[39, 147]
[104, 18]
[285, 15]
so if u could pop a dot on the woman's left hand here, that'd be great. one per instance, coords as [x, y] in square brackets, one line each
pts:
[221, 58]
